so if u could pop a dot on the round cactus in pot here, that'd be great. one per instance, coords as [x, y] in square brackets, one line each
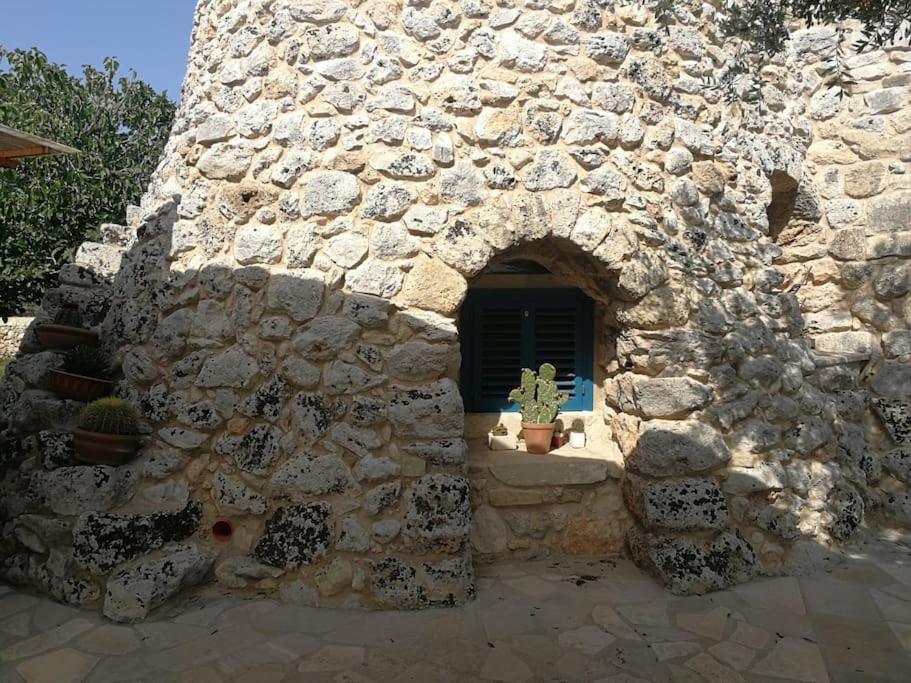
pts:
[84, 375]
[67, 330]
[108, 432]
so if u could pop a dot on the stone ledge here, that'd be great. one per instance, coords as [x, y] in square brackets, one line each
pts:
[825, 359]
[564, 467]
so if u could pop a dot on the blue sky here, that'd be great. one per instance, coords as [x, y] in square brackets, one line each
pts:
[149, 36]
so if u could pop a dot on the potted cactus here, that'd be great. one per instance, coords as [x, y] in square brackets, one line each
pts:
[540, 401]
[66, 331]
[577, 434]
[499, 439]
[108, 433]
[84, 375]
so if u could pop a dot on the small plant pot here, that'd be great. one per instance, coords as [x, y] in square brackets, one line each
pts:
[577, 439]
[64, 337]
[538, 437]
[507, 442]
[558, 441]
[78, 387]
[96, 448]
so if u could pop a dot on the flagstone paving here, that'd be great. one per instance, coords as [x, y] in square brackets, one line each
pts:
[547, 620]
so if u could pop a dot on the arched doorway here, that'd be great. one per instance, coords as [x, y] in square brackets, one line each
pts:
[542, 302]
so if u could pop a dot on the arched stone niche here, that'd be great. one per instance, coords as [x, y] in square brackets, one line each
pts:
[283, 304]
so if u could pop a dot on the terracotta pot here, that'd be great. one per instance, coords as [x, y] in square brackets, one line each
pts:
[558, 441]
[78, 387]
[64, 337]
[538, 436]
[96, 448]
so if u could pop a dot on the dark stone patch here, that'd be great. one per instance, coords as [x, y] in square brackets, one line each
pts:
[367, 411]
[253, 452]
[367, 311]
[56, 449]
[678, 504]
[500, 178]
[848, 510]
[692, 566]
[394, 584]
[312, 415]
[295, 535]
[267, 400]
[443, 452]
[438, 513]
[896, 416]
[101, 541]
[450, 582]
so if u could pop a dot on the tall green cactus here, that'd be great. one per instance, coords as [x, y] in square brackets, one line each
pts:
[538, 396]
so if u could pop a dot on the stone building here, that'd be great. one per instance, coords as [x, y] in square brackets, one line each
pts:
[346, 179]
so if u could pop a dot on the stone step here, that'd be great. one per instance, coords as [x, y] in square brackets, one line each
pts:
[103, 259]
[135, 590]
[74, 275]
[563, 467]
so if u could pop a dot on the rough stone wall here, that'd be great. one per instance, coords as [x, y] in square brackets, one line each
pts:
[286, 319]
[12, 332]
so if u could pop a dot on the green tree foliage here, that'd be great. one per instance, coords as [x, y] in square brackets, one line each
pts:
[48, 206]
[760, 29]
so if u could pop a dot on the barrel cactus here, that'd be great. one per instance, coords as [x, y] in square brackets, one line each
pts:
[88, 361]
[538, 396]
[110, 416]
[69, 316]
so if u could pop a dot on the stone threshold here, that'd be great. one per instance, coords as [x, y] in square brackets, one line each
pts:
[566, 466]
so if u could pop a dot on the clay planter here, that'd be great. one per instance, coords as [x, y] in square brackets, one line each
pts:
[558, 441]
[96, 448]
[78, 387]
[64, 337]
[538, 436]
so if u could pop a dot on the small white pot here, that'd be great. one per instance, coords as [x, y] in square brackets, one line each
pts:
[577, 439]
[510, 442]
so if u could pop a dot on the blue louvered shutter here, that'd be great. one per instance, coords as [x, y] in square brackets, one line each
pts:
[505, 330]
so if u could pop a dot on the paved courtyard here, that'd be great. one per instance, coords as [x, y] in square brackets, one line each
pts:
[559, 620]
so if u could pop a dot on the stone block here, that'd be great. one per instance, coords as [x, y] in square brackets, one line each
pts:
[521, 469]
[893, 380]
[430, 412]
[437, 513]
[442, 452]
[897, 343]
[667, 448]
[676, 504]
[889, 213]
[895, 415]
[661, 397]
[135, 590]
[894, 244]
[74, 490]
[296, 535]
[898, 462]
[235, 572]
[691, 565]
[434, 286]
[764, 476]
[102, 540]
[844, 342]
[507, 497]
[101, 259]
